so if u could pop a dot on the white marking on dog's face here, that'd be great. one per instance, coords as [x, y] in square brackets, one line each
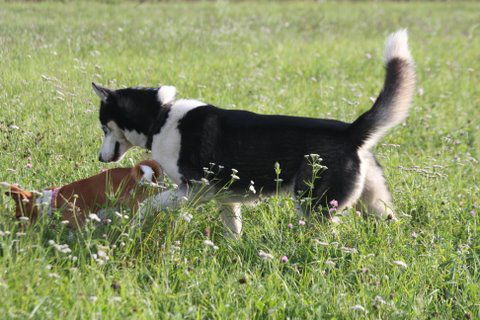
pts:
[147, 177]
[114, 145]
[166, 144]
[136, 138]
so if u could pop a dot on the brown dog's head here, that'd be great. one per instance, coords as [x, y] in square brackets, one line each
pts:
[24, 202]
[148, 172]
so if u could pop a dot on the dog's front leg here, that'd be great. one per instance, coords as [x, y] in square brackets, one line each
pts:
[169, 199]
[231, 216]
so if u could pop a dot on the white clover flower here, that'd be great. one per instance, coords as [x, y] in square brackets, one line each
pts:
[322, 243]
[330, 263]
[357, 308]
[349, 250]
[378, 300]
[94, 217]
[264, 255]
[186, 216]
[210, 244]
[400, 264]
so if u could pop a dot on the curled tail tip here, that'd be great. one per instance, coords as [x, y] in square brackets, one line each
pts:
[396, 46]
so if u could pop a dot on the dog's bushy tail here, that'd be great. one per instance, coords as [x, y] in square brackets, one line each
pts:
[391, 106]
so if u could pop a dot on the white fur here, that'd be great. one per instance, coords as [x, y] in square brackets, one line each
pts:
[359, 184]
[114, 134]
[136, 138]
[166, 94]
[396, 46]
[166, 144]
[231, 216]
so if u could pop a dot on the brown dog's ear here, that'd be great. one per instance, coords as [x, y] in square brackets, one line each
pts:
[148, 171]
[18, 194]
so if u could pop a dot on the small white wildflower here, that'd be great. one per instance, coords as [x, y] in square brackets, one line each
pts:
[349, 250]
[74, 258]
[14, 127]
[93, 298]
[118, 214]
[65, 222]
[378, 300]
[330, 263]
[322, 243]
[24, 218]
[400, 264]
[234, 171]
[51, 242]
[235, 177]
[252, 189]
[94, 217]
[101, 254]
[205, 181]
[187, 216]
[53, 275]
[184, 198]
[264, 255]
[357, 308]
[210, 243]
[48, 267]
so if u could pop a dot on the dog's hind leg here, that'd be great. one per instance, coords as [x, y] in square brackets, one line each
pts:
[375, 195]
[231, 216]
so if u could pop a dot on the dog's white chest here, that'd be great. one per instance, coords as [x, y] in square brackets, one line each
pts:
[167, 143]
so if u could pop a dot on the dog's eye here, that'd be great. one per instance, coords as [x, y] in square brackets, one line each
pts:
[105, 129]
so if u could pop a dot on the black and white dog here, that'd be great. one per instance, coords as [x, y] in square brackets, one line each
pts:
[187, 136]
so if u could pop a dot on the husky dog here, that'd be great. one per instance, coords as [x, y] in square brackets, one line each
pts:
[187, 136]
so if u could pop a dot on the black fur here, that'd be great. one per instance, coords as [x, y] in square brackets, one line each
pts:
[252, 143]
[135, 109]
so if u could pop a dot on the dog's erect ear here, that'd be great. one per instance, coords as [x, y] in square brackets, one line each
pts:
[102, 93]
[167, 94]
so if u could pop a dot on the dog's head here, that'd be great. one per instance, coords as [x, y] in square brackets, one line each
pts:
[128, 116]
[25, 205]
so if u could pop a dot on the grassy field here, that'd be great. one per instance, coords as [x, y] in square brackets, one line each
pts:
[319, 60]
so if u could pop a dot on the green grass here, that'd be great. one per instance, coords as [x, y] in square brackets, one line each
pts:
[319, 60]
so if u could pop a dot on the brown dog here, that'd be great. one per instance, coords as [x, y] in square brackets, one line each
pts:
[75, 201]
